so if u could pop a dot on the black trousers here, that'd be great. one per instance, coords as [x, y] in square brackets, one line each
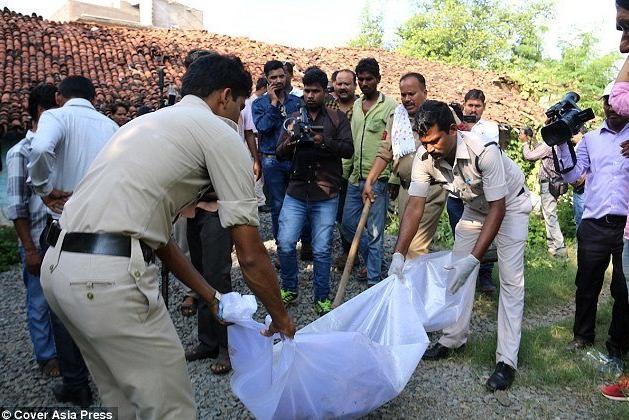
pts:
[599, 240]
[210, 251]
[72, 367]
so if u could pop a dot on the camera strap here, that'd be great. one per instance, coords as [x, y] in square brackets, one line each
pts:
[573, 155]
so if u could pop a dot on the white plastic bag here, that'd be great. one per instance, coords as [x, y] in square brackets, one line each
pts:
[345, 364]
[348, 362]
[430, 281]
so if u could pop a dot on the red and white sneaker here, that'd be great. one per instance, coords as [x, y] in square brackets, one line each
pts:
[618, 391]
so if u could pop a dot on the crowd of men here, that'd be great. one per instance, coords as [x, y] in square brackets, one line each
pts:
[94, 204]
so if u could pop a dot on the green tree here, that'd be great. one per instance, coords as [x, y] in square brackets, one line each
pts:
[371, 29]
[475, 33]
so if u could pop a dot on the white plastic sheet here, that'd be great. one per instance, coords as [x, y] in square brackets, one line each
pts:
[348, 362]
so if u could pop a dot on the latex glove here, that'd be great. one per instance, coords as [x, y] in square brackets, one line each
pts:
[462, 270]
[397, 265]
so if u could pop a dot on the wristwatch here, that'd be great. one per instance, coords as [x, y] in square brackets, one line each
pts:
[218, 296]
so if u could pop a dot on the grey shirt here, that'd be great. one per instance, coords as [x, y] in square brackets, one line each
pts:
[541, 151]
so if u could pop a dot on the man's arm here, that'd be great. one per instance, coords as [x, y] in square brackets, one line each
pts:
[285, 148]
[582, 164]
[250, 138]
[540, 151]
[260, 276]
[42, 154]
[379, 165]
[172, 256]
[266, 117]
[18, 208]
[343, 145]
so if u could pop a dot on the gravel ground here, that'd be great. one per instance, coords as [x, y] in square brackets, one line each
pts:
[444, 389]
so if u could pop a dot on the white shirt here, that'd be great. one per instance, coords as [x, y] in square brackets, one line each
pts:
[65, 144]
[486, 130]
[247, 117]
[297, 92]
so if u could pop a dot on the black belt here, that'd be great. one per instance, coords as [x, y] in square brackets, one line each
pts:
[612, 219]
[113, 244]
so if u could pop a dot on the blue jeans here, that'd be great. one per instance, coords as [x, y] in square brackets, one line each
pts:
[322, 216]
[37, 315]
[276, 177]
[372, 239]
[455, 208]
[577, 207]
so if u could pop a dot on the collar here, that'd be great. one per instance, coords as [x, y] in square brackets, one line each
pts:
[79, 102]
[29, 135]
[380, 98]
[193, 100]
[461, 148]
[606, 127]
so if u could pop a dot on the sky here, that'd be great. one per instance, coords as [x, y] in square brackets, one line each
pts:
[332, 23]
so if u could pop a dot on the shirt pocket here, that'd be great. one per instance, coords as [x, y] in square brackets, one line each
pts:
[375, 125]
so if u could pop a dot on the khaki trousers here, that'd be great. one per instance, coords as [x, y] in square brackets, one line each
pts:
[554, 237]
[112, 308]
[435, 202]
[510, 242]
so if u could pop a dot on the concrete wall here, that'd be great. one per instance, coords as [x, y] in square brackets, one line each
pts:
[168, 13]
[74, 10]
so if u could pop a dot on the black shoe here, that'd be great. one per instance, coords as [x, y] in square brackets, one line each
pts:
[486, 286]
[502, 378]
[306, 252]
[200, 352]
[578, 344]
[264, 209]
[437, 352]
[81, 396]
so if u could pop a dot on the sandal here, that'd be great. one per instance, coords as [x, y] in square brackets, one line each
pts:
[188, 306]
[223, 364]
[50, 368]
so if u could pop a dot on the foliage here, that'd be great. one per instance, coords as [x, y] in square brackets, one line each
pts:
[580, 69]
[501, 36]
[371, 30]
[8, 248]
[475, 33]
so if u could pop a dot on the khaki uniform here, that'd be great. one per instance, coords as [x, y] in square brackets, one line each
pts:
[152, 168]
[482, 174]
[435, 202]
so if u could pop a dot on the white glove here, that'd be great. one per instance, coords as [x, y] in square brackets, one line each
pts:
[397, 265]
[462, 270]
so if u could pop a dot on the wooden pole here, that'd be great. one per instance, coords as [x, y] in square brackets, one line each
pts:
[340, 293]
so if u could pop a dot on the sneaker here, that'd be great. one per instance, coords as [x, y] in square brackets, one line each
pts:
[502, 378]
[288, 297]
[618, 391]
[322, 307]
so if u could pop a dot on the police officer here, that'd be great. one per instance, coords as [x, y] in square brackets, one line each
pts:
[400, 141]
[497, 206]
[99, 273]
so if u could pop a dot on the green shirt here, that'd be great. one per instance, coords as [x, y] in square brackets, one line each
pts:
[367, 131]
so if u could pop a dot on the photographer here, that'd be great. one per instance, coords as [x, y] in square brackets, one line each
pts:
[313, 189]
[269, 112]
[497, 207]
[547, 178]
[600, 235]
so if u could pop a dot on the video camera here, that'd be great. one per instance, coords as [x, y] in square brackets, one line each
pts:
[302, 131]
[458, 110]
[565, 120]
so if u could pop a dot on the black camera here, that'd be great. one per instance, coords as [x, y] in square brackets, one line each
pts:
[565, 120]
[302, 131]
[458, 110]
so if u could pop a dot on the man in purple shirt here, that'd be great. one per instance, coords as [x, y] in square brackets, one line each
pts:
[600, 235]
